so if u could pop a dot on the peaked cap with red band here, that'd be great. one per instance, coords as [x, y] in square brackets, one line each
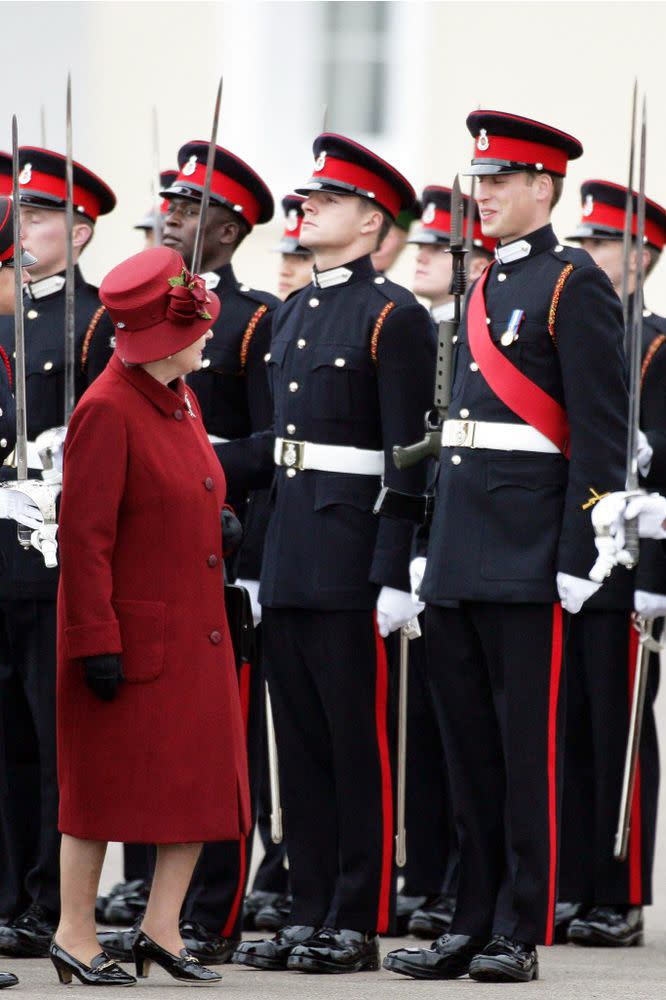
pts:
[435, 223]
[7, 237]
[292, 206]
[346, 167]
[234, 184]
[603, 217]
[42, 183]
[507, 144]
[167, 177]
[156, 306]
[5, 173]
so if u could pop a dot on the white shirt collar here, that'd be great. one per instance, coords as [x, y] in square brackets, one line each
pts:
[211, 278]
[444, 311]
[46, 286]
[510, 252]
[334, 276]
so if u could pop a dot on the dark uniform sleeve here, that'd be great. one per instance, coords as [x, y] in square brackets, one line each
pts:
[258, 389]
[653, 418]
[98, 345]
[405, 370]
[589, 338]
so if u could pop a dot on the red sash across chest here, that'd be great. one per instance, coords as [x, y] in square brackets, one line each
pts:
[519, 393]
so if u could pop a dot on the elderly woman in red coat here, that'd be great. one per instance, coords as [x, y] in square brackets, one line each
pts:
[150, 731]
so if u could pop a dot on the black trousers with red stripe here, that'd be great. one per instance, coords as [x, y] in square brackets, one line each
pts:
[601, 659]
[328, 677]
[496, 676]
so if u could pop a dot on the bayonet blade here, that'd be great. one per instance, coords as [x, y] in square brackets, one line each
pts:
[70, 344]
[457, 214]
[42, 126]
[197, 253]
[155, 183]
[19, 337]
[628, 217]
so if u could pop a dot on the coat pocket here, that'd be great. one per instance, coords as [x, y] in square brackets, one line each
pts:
[142, 627]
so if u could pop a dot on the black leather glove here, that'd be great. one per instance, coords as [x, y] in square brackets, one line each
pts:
[103, 675]
[232, 532]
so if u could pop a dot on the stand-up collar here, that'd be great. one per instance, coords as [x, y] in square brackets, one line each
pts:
[167, 398]
[224, 277]
[527, 246]
[357, 269]
[55, 283]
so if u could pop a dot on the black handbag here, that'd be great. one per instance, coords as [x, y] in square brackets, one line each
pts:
[241, 624]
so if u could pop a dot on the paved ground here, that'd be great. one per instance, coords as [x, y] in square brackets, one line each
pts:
[567, 972]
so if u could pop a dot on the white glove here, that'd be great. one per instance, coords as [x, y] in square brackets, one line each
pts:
[644, 454]
[394, 609]
[574, 591]
[608, 519]
[252, 587]
[20, 507]
[50, 446]
[417, 568]
[650, 605]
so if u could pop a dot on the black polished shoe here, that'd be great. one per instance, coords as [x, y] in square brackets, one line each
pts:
[183, 966]
[253, 902]
[447, 958]
[433, 918]
[272, 953]
[564, 914]
[7, 979]
[207, 945]
[128, 902]
[333, 950]
[274, 916]
[102, 902]
[608, 927]
[118, 944]
[102, 971]
[505, 961]
[29, 936]
[404, 907]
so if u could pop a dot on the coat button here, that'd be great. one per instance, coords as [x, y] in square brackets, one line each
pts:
[178, 414]
[205, 363]
[456, 459]
[291, 473]
[212, 561]
[215, 637]
[32, 314]
[244, 288]
[473, 367]
[313, 303]
[501, 276]
[208, 483]
[380, 279]
[48, 365]
[0, 411]
[340, 362]
[464, 413]
[300, 343]
[293, 386]
[558, 248]
[3, 442]
[291, 428]
[267, 357]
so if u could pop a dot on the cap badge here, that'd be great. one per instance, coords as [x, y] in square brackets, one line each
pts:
[428, 213]
[292, 220]
[483, 141]
[26, 174]
[588, 205]
[320, 161]
[190, 166]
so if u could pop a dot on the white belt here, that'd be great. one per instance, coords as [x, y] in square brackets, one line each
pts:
[328, 457]
[496, 437]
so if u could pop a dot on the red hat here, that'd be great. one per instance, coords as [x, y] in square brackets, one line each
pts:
[7, 237]
[346, 167]
[604, 205]
[42, 183]
[507, 144]
[5, 173]
[435, 224]
[233, 184]
[292, 206]
[157, 307]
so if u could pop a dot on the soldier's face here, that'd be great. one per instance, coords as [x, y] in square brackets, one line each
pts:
[334, 221]
[180, 223]
[295, 273]
[608, 255]
[512, 205]
[44, 235]
[432, 277]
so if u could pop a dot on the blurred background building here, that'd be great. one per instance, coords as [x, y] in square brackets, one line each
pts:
[399, 76]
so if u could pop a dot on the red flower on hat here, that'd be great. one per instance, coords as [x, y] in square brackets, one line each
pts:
[188, 298]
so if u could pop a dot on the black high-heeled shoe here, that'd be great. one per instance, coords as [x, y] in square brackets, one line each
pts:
[102, 971]
[182, 966]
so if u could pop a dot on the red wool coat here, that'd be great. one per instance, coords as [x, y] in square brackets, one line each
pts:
[141, 575]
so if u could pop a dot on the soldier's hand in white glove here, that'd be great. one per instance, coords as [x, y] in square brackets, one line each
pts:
[252, 587]
[50, 445]
[394, 609]
[574, 591]
[643, 454]
[417, 568]
[650, 605]
[608, 519]
[19, 507]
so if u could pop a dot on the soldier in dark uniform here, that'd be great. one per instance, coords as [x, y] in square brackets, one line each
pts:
[147, 224]
[608, 895]
[531, 430]
[27, 587]
[350, 364]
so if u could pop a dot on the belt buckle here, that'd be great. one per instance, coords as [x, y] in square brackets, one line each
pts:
[464, 434]
[292, 454]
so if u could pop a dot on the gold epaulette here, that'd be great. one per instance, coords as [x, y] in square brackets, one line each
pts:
[552, 312]
[92, 326]
[650, 353]
[374, 340]
[249, 332]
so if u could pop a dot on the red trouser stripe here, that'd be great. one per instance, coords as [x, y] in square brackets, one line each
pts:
[635, 831]
[381, 701]
[244, 685]
[553, 700]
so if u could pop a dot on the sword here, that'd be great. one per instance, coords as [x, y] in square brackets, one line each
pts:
[42, 126]
[408, 632]
[431, 444]
[155, 183]
[469, 223]
[628, 216]
[70, 343]
[197, 253]
[273, 774]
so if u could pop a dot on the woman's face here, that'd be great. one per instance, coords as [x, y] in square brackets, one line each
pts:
[190, 359]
